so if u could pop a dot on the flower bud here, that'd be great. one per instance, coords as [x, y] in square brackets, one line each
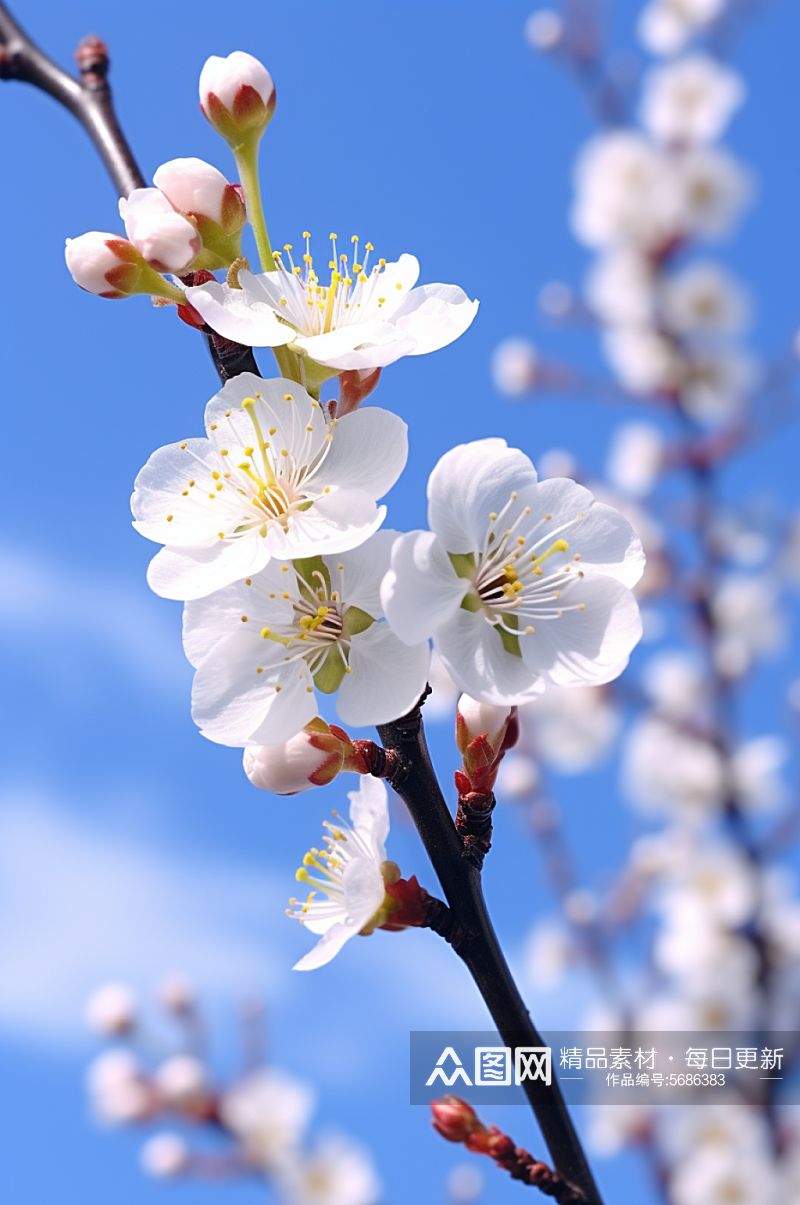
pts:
[355, 384]
[237, 96]
[181, 1083]
[216, 208]
[165, 1156]
[312, 758]
[168, 241]
[104, 264]
[111, 1010]
[475, 719]
[483, 734]
[454, 1119]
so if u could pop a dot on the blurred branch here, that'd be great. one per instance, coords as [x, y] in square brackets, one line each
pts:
[480, 949]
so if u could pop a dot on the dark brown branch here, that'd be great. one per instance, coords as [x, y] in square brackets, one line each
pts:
[479, 948]
[88, 99]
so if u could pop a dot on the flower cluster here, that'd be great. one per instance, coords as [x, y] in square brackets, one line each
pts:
[271, 530]
[263, 1115]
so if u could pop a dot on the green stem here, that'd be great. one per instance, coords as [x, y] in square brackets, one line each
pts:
[246, 157]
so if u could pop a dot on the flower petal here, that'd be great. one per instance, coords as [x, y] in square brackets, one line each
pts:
[387, 677]
[478, 663]
[168, 493]
[421, 591]
[244, 315]
[368, 452]
[358, 582]
[434, 315]
[369, 812]
[327, 947]
[368, 345]
[599, 534]
[336, 522]
[216, 616]
[188, 573]
[468, 484]
[585, 647]
[233, 704]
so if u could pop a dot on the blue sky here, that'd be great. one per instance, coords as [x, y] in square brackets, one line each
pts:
[130, 845]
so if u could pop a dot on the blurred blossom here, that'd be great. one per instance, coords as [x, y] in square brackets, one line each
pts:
[182, 1084]
[111, 1009]
[716, 883]
[675, 683]
[176, 994]
[548, 953]
[612, 1129]
[581, 907]
[556, 299]
[691, 100]
[570, 728]
[714, 190]
[635, 458]
[164, 1156]
[717, 383]
[620, 288]
[683, 1131]
[666, 26]
[719, 1175]
[557, 462]
[748, 623]
[268, 1111]
[465, 1184]
[544, 29]
[337, 1172]
[518, 777]
[669, 772]
[514, 366]
[625, 192]
[643, 360]
[704, 298]
[118, 1091]
[756, 773]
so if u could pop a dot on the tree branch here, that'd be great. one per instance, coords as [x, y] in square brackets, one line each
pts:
[480, 949]
[88, 99]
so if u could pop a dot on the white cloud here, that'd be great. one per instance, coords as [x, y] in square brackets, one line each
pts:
[93, 617]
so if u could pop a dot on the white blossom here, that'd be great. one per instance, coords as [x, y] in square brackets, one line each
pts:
[177, 994]
[747, 622]
[514, 365]
[273, 479]
[620, 288]
[691, 100]
[666, 26]
[714, 190]
[118, 1091]
[347, 878]
[643, 360]
[756, 773]
[182, 1082]
[635, 458]
[570, 728]
[625, 192]
[670, 772]
[268, 1112]
[165, 1156]
[193, 186]
[358, 320]
[510, 601]
[544, 29]
[704, 298]
[111, 1009]
[716, 383]
[675, 682]
[548, 953]
[717, 1175]
[337, 1171]
[262, 644]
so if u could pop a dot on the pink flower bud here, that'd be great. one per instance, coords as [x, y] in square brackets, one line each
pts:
[105, 264]
[198, 189]
[237, 96]
[166, 240]
[454, 1119]
[312, 758]
[474, 719]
